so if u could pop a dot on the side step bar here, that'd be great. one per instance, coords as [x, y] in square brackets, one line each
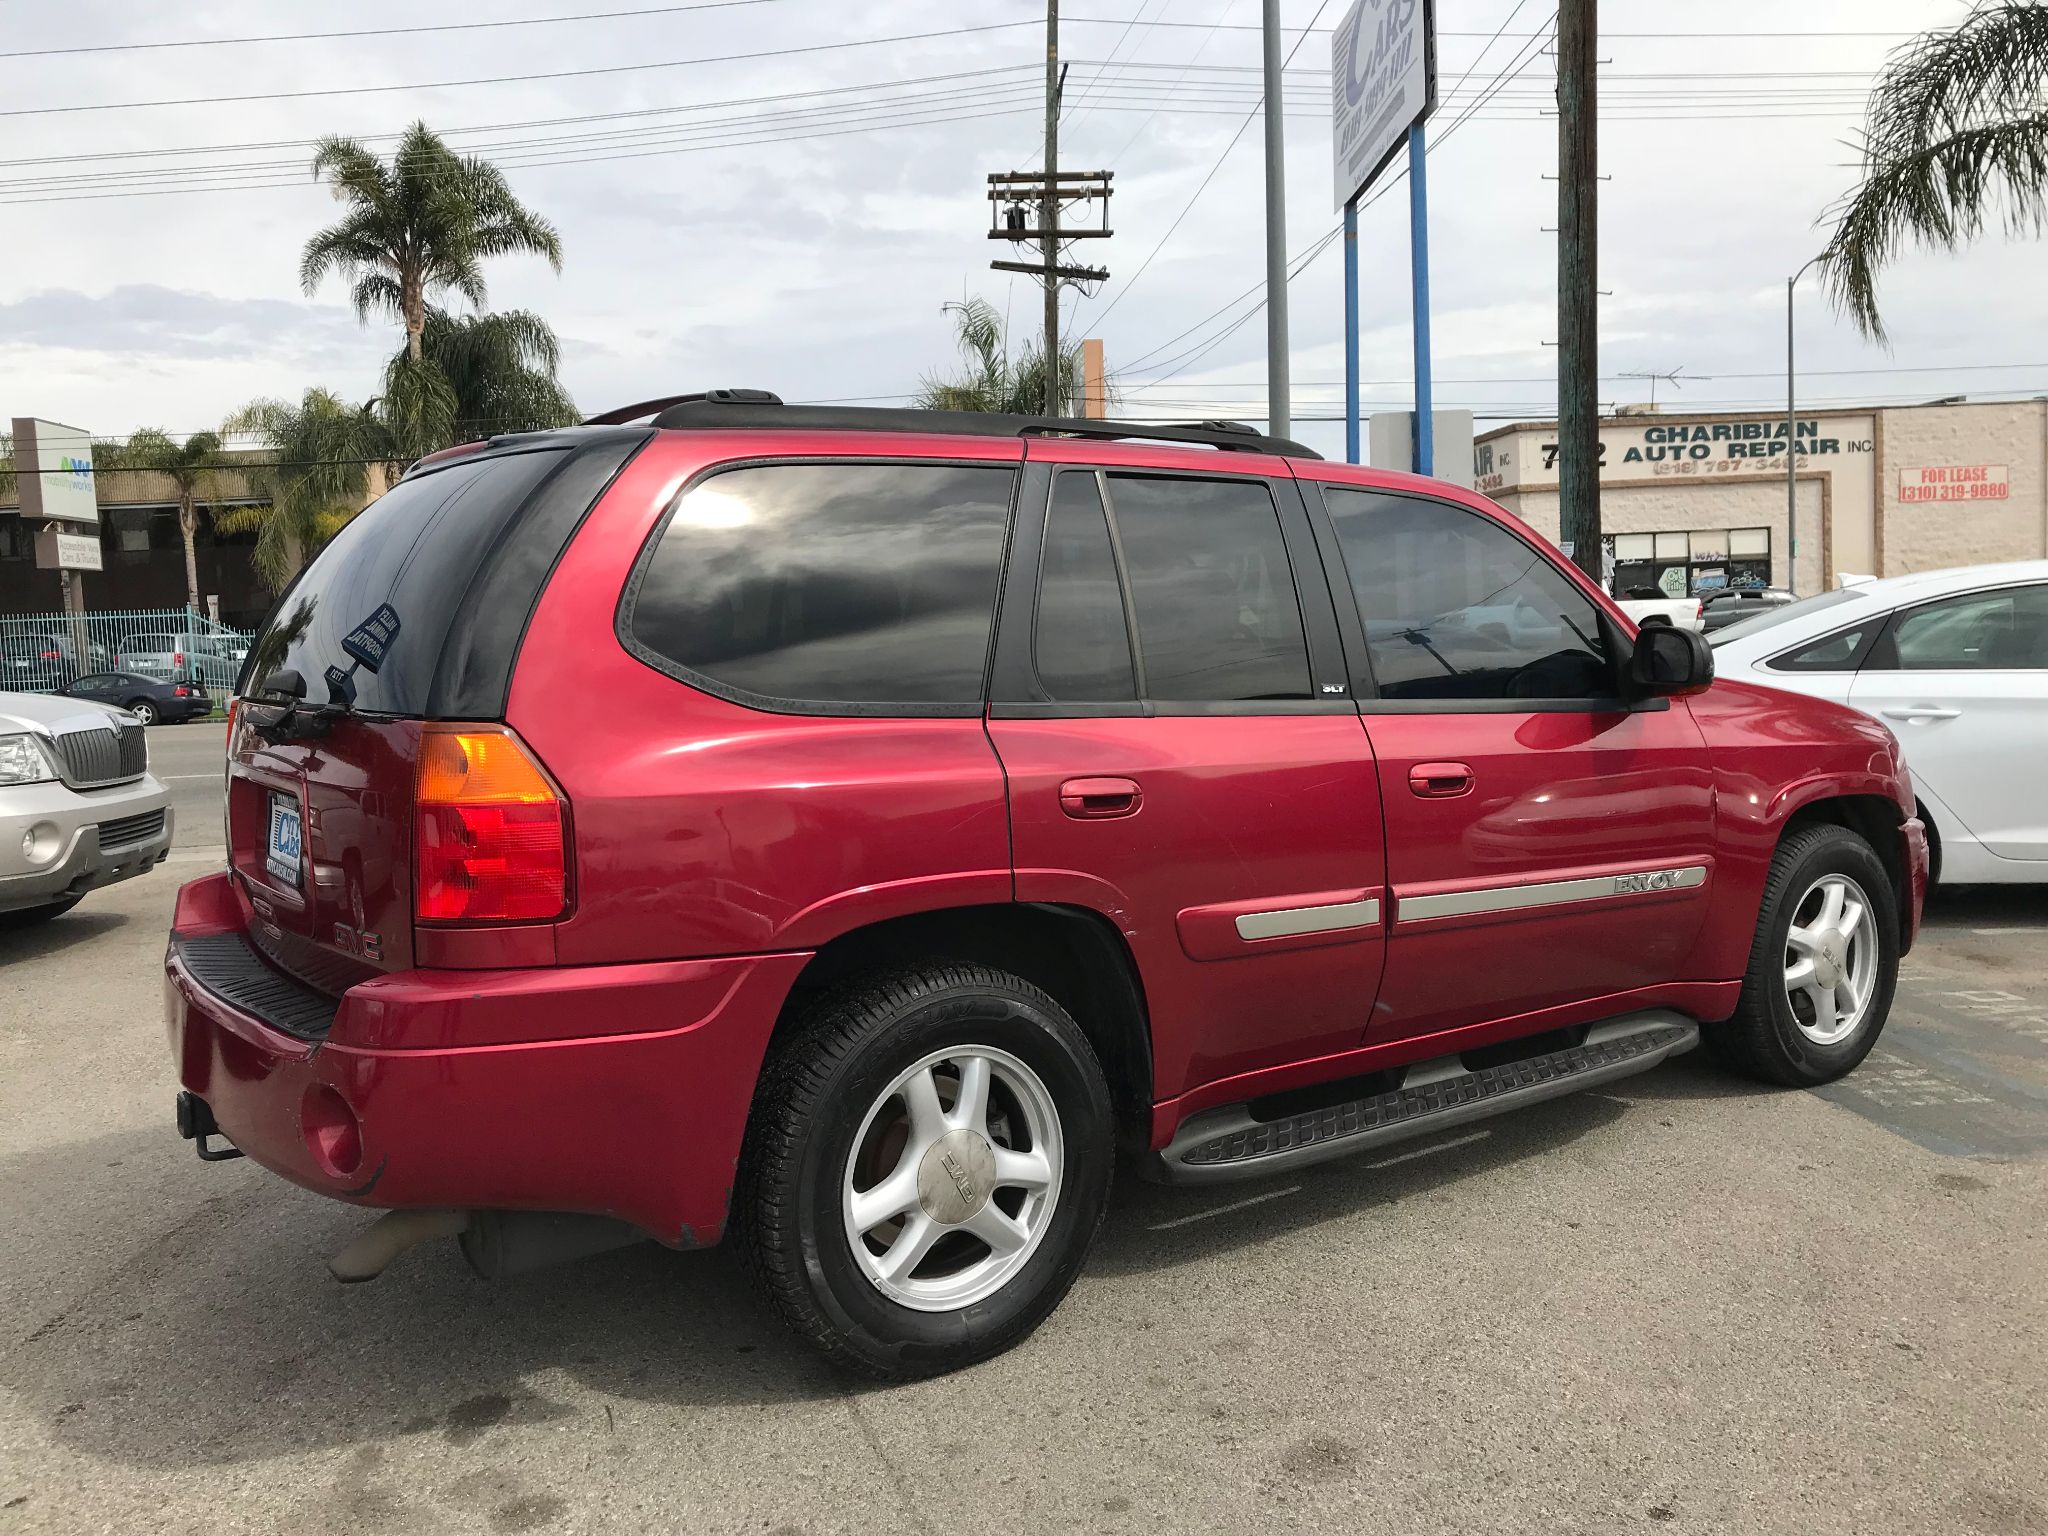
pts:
[1228, 1143]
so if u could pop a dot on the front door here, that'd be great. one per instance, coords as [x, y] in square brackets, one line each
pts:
[1963, 683]
[1183, 755]
[1546, 843]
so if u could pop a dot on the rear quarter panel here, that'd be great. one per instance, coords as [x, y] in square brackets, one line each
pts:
[704, 827]
[1773, 753]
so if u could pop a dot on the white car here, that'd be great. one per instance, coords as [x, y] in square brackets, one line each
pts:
[1684, 612]
[1956, 663]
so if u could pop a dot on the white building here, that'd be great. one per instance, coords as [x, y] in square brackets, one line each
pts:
[1692, 502]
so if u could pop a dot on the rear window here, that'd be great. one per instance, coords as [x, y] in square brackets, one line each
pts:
[823, 587]
[367, 620]
[1789, 613]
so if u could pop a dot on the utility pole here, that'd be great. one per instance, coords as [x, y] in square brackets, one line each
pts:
[1279, 412]
[1578, 281]
[1049, 207]
[1009, 192]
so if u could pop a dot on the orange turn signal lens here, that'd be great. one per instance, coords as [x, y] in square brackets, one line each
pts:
[489, 839]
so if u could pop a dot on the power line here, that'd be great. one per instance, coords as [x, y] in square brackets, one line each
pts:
[714, 5]
[538, 122]
[556, 74]
[311, 37]
[1517, 62]
[1103, 314]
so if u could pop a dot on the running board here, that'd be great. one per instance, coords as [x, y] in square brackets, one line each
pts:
[1227, 1143]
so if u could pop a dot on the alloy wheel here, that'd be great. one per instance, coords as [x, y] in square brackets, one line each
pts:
[953, 1177]
[1831, 959]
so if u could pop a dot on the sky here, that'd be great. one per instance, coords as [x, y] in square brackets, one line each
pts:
[809, 242]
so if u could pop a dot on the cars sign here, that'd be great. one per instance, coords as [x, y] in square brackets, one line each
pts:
[1382, 81]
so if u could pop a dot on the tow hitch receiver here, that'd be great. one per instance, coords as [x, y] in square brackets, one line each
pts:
[196, 1124]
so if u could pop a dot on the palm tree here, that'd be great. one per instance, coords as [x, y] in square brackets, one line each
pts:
[478, 375]
[994, 381]
[193, 467]
[316, 473]
[1955, 127]
[418, 225]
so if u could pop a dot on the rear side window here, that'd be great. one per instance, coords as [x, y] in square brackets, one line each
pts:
[1212, 592]
[368, 620]
[1456, 607]
[1081, 641]
[869, 586]
[1838, 652]
[2001, 631]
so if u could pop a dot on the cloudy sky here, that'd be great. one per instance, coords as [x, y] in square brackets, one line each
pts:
[745, 199]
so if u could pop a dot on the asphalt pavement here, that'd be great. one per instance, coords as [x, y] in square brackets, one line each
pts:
[1686, 1303]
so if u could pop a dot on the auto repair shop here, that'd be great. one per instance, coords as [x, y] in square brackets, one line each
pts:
[1694, 503]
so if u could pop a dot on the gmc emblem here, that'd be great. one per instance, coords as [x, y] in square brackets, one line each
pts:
[361, 942]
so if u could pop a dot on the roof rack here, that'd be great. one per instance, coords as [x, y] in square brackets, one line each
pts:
[757, 409]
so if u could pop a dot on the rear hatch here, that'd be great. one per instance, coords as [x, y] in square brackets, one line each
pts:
[411, 615]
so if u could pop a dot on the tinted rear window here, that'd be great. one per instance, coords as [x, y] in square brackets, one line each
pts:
[821, 585]
[410, 555]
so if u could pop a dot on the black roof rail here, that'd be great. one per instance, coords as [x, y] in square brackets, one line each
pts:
[626, 413]
[758, 410]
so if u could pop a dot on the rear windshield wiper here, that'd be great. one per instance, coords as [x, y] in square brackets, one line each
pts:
[299, 721]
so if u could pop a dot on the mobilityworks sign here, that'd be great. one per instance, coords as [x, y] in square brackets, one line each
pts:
[53, 464]
[1382, 81]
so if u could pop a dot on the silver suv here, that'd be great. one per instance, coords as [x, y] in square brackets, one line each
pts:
[78, 806]
[205, 659]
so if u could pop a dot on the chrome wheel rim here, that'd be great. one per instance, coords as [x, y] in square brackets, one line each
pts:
[1831, 958]
[952, 1179]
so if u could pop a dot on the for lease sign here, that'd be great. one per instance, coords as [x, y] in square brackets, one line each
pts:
[1955, 482]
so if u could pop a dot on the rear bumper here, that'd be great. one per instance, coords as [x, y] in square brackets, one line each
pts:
[1913, 841]
[634, 1109]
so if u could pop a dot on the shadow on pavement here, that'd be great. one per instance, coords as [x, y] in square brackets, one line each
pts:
[1962, 906]
[222, 1339]
[80, 925]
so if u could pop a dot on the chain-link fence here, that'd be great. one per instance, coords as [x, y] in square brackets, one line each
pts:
[49, 652]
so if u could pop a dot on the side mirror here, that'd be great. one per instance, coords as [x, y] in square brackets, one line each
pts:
[1670, 660]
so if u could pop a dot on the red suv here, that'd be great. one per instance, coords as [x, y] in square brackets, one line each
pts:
[847, 829]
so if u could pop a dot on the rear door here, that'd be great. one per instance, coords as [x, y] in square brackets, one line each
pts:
[1963, 682]
[1546, 843]
[1182, 753]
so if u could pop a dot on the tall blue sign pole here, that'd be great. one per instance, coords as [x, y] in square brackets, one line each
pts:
[1382, 87]
[1418, 267]
[1351, 332]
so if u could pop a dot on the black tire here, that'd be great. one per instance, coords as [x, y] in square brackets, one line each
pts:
[1764, 1038]
[143, 710]
[815, 1094]
[28, 917]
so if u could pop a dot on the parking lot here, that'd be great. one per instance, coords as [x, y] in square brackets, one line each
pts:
[1686, 1304]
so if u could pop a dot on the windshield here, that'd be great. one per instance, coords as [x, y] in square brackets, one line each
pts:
[1771, 618]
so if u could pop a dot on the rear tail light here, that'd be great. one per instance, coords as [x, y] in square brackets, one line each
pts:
[182, 691]
[489, 832]
[52, 656]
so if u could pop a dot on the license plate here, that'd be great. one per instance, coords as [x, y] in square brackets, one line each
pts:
[282, 857]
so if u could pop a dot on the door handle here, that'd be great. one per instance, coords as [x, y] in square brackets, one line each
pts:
[1921, 712]
[1440, 781]
[1100, 799]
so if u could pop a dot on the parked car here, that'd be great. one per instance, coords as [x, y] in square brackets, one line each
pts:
[1684, 612]
[179, 658]
[844, 830]
[1732, 607]
[148, 699]
[78, 808]
[1954, 661]
[41, 661]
